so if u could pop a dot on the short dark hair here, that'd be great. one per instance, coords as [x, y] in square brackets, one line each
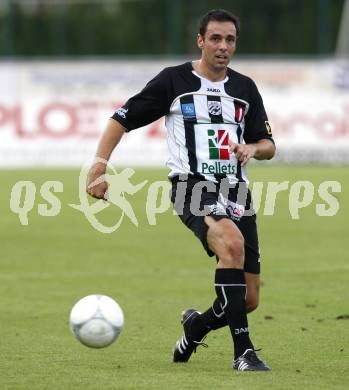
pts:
[218, 15]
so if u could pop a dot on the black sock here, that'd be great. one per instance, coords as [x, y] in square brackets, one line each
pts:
[211, 319]
[230, 288]
[214, 317]
[198, 328]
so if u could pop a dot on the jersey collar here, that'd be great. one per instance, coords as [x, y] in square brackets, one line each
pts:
[195, 73]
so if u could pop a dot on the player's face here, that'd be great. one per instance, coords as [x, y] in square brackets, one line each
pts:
[218, 45]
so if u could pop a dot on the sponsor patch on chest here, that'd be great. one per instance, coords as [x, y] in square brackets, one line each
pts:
[188, 110]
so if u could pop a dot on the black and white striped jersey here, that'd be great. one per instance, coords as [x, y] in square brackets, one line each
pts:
[201, 117]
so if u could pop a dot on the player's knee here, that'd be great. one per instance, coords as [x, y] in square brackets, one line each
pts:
[233, 252]
[236, 248]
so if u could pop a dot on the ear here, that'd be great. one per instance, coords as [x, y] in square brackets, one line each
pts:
[200, 41]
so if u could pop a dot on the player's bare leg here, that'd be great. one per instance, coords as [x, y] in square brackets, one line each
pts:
[253, 286]
[227, 242]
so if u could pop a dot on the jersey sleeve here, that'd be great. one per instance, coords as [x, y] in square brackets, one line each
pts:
[147, 106]
[257, 126]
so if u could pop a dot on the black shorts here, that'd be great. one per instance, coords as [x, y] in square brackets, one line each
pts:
[193, 217]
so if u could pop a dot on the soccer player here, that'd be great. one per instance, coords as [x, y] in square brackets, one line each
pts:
[216, 123]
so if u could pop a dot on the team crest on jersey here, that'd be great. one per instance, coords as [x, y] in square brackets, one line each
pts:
[214, 107]
[239, 112]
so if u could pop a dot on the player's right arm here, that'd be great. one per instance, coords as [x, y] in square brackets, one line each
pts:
[110, 139]
[150, 104]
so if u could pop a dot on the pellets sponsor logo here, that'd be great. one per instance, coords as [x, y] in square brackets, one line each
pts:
[218, 168]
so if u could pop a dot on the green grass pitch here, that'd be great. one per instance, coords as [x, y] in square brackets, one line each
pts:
[156, 271]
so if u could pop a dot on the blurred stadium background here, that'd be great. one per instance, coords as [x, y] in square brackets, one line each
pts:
[66, 65]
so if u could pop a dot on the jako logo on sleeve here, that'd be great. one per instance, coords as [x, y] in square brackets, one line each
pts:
[122, 112]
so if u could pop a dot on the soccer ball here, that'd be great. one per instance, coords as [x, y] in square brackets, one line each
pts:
[96, 320]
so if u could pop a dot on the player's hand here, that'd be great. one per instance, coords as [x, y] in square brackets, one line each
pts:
[97, 187]
[243, 152]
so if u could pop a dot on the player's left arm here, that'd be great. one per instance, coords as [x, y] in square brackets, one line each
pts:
[263, 149]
